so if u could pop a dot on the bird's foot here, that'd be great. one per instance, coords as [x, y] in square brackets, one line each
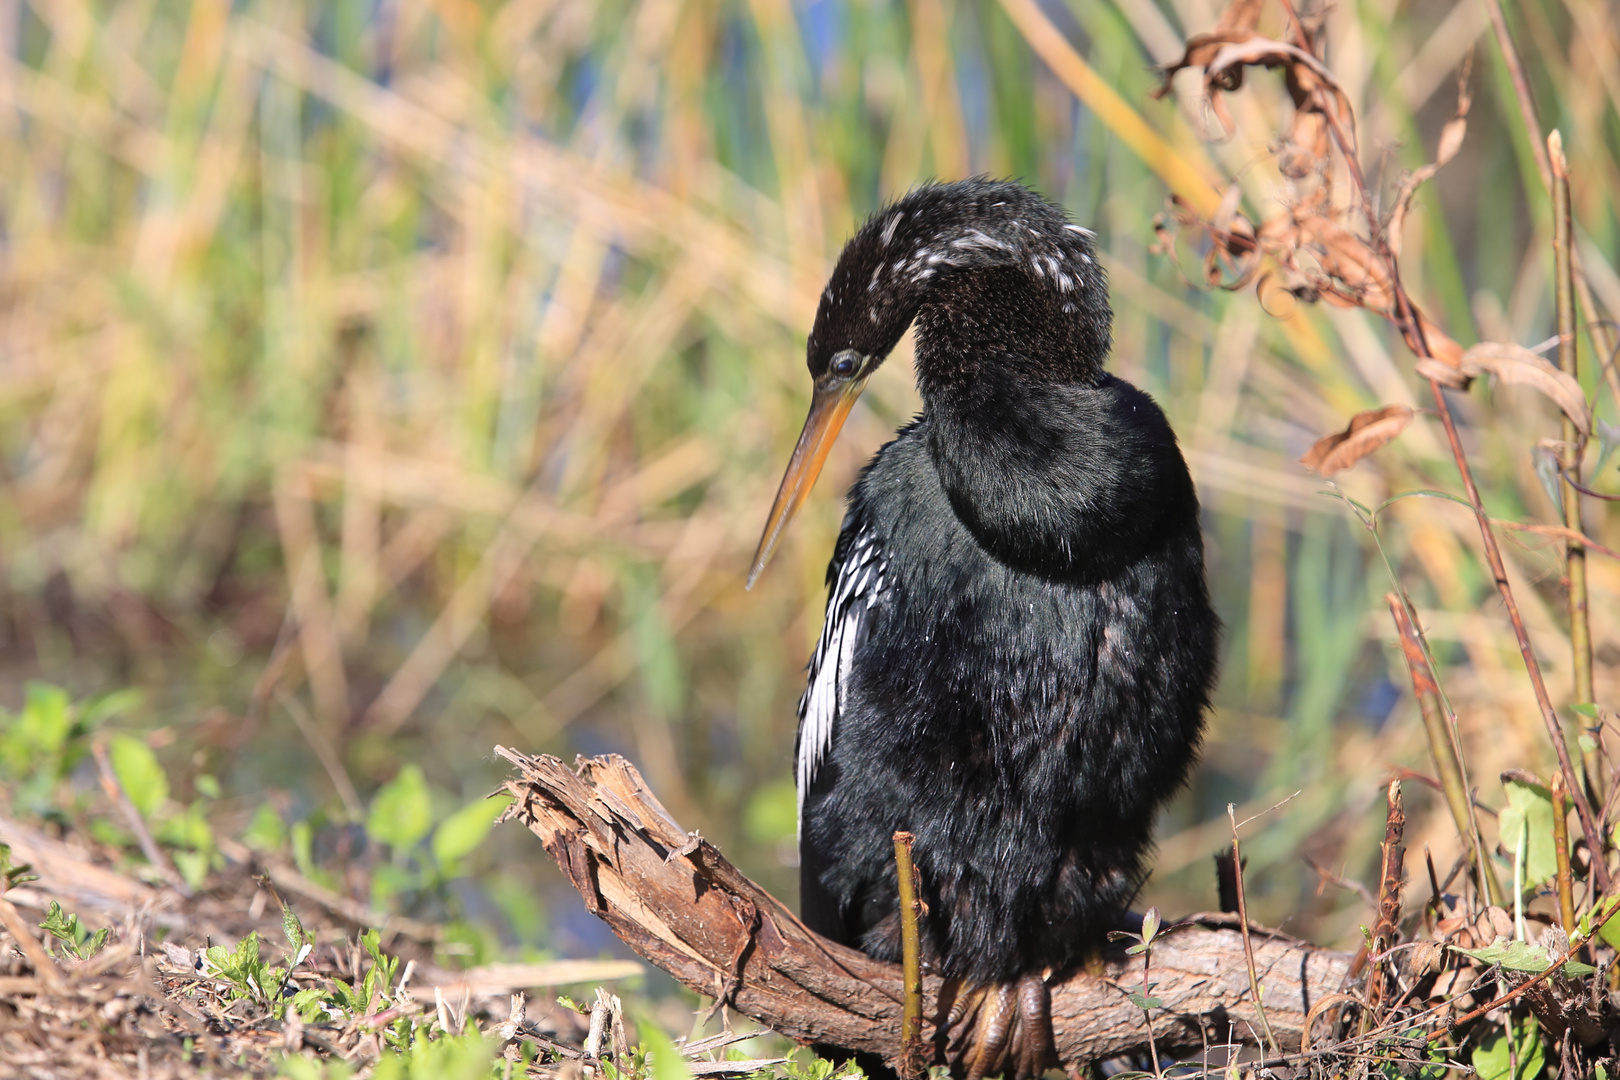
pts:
[1001, 1029]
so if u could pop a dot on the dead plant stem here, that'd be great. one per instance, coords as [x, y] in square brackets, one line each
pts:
[1388, 925]
[1248, 944]
[911, 1058]
[1580, 630]
[1560, 823]
[1493, 556]
[1406, 317]
[1442, 746]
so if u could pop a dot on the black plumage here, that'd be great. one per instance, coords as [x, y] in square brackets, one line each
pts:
[1019, 645]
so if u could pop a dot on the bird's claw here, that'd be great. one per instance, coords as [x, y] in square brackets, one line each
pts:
[1001, 1029]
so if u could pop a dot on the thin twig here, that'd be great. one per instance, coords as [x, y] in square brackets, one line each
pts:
[325, 753]
[911, 1055]
[1574, 482]
[1549, 717]
[1243, 922]
[132, 817]
[1350, 885]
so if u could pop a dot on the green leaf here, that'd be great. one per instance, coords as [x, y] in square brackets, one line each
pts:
[103, 707]
[1150, 925]
[1523, 956]
[139, 774]
[383, 966]
[667, 1062]
[97, 942]
[10, 875]
[1586, 709]
[1529, 807]
[1145, 1003]
[266, 832]
[61, 925]
[461, 833]
[402, 813]
[1491, 1060]
[293, 928]
[47, 717]
[193, 867]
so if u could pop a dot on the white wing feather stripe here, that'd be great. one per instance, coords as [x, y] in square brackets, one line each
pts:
[863, 575]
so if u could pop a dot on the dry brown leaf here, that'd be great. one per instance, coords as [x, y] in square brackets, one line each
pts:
[1518, 366]
[1367, 432]
[1451, 140]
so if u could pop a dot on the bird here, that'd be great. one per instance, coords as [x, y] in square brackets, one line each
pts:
[1019, 647]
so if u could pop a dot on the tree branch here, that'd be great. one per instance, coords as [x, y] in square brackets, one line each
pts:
[677, 902]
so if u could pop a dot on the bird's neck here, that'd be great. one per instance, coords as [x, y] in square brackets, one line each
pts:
[1070, 481]
[1001, 321]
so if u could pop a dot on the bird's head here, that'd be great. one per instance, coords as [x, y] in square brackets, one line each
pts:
[994, 275]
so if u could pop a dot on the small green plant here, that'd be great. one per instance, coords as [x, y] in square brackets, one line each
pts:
[1151, 930]
[42, 743]
[401, 818]
[76, 940]
[13, 875]
[247, 973]
[810, 1067]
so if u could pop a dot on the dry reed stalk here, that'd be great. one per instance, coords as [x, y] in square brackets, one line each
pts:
[1443, 748]
[1580, 628]
[1182, 171]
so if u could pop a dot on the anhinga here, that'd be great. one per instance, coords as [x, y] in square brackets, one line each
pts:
[1019, 645]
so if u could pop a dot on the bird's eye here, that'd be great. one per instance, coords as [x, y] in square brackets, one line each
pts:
[843, 365]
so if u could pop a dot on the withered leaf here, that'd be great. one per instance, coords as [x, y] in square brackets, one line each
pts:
[1366, 433]
[1451, 140]
[1518, 366]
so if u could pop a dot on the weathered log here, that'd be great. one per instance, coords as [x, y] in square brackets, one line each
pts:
[676, 901]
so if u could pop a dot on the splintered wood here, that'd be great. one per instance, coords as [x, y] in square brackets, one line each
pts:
[674, 899]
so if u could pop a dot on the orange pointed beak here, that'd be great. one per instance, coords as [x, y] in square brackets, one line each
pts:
[829, 408]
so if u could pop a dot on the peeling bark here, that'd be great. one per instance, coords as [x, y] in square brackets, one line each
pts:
[674, 899]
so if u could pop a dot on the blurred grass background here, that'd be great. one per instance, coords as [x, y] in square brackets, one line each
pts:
[381, 380]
